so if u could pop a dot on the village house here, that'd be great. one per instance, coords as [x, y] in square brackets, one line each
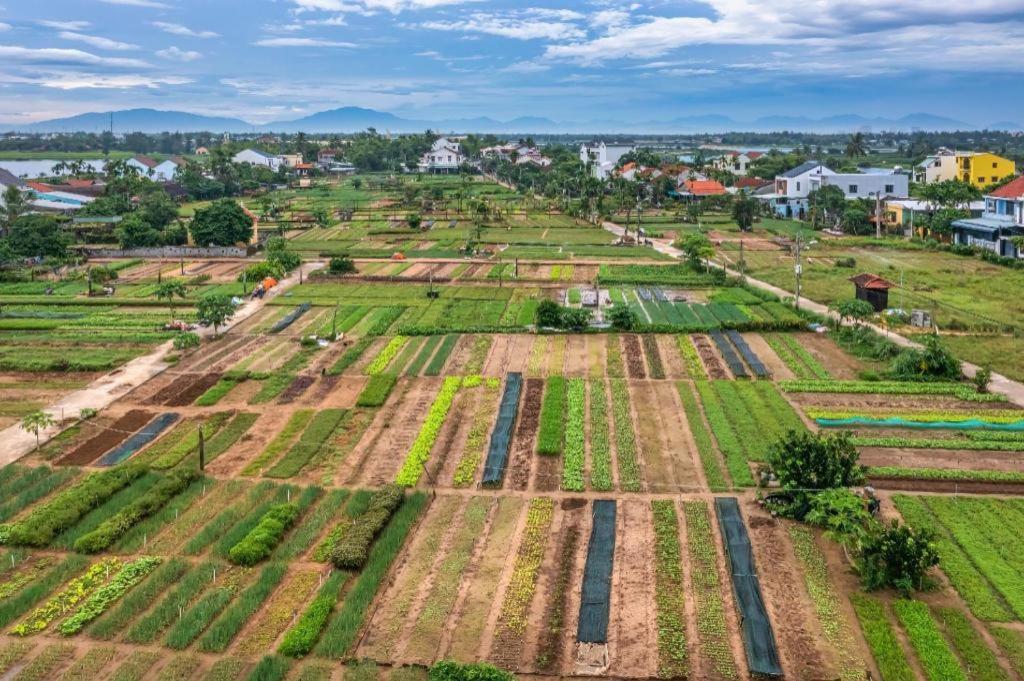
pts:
[978, 168]
[736, 162]
[258, 158]
[445, 156]
[162, 171]
[602, 157]
[792, 188]
[996, 228]
[700, 188]
[291, 160]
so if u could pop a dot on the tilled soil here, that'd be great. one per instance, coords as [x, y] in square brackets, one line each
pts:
[713, 365]
[180, 383]
[190, 393]
[108, 438]
[670, 357]
[562, 577]
[399, 428]
[771, 361]
[789, 607]
[526, 431]
[632, 631]
[634, 356]
[297, 388]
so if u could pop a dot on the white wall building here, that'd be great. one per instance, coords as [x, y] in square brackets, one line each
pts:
[161, 171]
[604, 157]
[736, 162]
[445, 156]
[258, 158]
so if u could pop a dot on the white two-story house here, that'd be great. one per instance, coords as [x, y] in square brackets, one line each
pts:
[445, 156]
[258, 158]
[1002, 220]
[603, 157]
[793, 187]
[736, 162]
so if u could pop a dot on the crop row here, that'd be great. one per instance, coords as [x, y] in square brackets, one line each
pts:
[702, 437]
[73, 593]
[980, 661]
[43, 522]
[438, 361]
[826, 603]
[350, 356]
[100, 600]
[377, 390]
[712, 632]
[881, 639]
[260, 542]
[625, 438]
[987, 416]
[668, 591]
[728, 438]
[941, 443]
[419, 453]
[951, 474]
[937, 660]
[476, 439]
[959, 390]
[352, 547]
[574, 461]
[694, 367]
[801, 362]
[384, 358]
[283, 440]
[314, 438]
[600, 444]
[655, 367]
[519, 592]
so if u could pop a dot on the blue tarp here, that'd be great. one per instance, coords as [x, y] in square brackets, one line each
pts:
[758, 637]
[728, 354]
[751, 358]
[501, 436]
[597, 576]
[139, 440]
[899, 422]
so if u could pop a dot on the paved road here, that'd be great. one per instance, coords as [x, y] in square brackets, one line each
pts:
[1014, 390]
[104, 391]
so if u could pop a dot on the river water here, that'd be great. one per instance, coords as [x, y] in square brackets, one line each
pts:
[43, 168]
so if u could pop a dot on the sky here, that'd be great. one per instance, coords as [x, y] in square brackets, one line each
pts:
[583, 60]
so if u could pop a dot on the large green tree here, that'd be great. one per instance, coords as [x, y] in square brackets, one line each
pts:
[135, 232]
[222, 223]
[38, 235]
[744, 211]
[215, 310]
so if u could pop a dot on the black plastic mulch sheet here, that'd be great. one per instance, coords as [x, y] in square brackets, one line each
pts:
[290, 318]
[728, 354]
[758, 638]
[751, 358]
[597, 576]
[501, 436]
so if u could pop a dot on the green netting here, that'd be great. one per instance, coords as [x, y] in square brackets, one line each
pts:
[899, 422]
[597, 576]
[758, 638]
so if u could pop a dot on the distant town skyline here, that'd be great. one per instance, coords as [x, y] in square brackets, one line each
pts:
[272, 60]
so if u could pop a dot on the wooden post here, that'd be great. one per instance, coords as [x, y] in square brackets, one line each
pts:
[202, 450]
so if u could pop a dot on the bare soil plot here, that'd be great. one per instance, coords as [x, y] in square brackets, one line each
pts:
[839, 363]
[771, 361]
[249, 446]
[577, 357]
[597, 356]
[632, 629]
[190, 392]
[517, 476]
[107, 438]
[800, 643]
[633, 354]
[335, 392]
[668, 348]
[686, 473]
[708, 353]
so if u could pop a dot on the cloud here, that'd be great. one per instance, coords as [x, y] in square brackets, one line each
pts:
[530, 24]
[4, 27]
[369, 7]
[53, 55]
[178, 29]
[301, 42]
[65, 25]
[97, 41]
[175, 54]
[138, 3]
[526, 67]
[821, 24]
[82, 81]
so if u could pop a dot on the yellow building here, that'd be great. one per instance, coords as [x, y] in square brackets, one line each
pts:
[979, 168]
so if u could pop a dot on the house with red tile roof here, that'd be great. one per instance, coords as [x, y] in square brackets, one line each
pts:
[1002, 221]
[701, 188]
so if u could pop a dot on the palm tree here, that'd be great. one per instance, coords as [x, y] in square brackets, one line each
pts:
[856, 146]
[35, 422]
[12, 207]
[170, 289]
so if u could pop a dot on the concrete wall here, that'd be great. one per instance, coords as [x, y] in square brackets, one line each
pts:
[169, 252]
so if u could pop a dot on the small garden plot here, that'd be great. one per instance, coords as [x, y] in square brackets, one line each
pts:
[107, 438]
[513, 620]
[281, 442]
[321, 428]
[735, 365]
[712, 365]
[752, 360]
[440, 358]
[668, 589]
[550, 440]
[802, 363]
[418, 455]
[139, 440]
[885, 647]
[634, 356]
[290, 318]
[501, 435]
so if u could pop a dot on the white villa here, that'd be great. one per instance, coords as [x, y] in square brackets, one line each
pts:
[445, 156]
[163, 171]
[736, 162]
[258, 158]
[794, 186]
[604, 157]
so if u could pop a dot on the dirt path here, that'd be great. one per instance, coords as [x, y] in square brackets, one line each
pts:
[632, 629]
[101, 393]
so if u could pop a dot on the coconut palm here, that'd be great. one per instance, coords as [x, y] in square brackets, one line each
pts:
[856, 146]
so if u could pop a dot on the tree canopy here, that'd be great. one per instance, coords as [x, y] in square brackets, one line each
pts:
[222, 223]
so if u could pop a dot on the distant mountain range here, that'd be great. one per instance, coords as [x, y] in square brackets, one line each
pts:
[354, 119]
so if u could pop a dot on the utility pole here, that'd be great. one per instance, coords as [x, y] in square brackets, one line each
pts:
[878, 215]
[798, 270]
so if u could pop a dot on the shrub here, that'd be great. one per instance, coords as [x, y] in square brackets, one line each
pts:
[262, 539]
[805, 461]
[352, 548]
[186, 340]
[981, 379]
[932, 362]
[896, 556]
[342, 265]
[151, 501]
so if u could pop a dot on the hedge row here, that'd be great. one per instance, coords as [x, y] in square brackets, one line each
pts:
[353, 547]
[151, 501]
[262, 539]
[66, 508]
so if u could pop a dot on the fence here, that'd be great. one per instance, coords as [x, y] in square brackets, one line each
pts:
[170, 252]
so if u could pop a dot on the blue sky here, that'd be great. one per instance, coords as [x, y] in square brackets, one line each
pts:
[264, 60]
